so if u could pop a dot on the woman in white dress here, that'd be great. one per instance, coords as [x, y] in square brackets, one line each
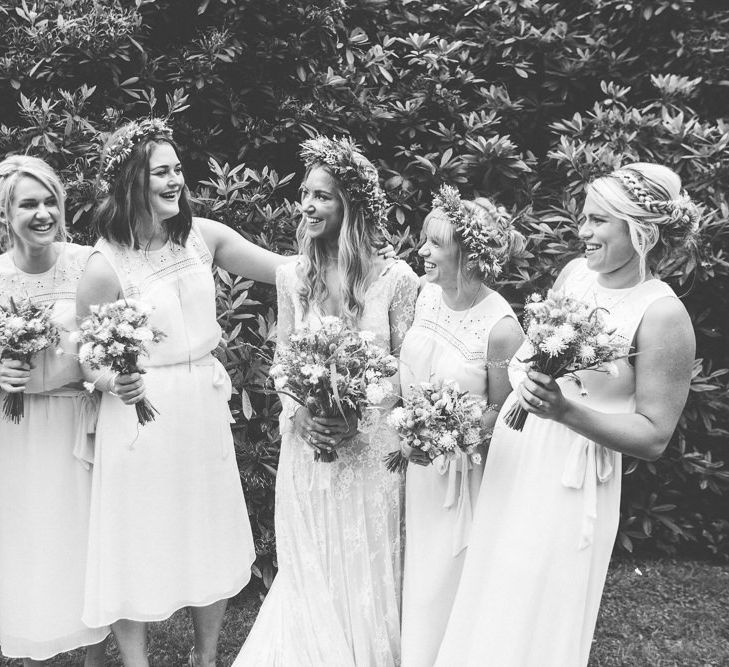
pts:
[335, 601]
[169, 526]
[45, 476]
[463, 331]
[548, 512]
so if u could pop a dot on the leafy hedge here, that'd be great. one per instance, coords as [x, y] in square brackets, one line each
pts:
[515, 99]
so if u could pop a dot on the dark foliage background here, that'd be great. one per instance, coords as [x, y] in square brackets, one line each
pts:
[519, 100]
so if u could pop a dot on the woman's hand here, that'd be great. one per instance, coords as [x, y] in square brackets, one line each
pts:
[541, 395]
[387, 251]
[129, 388]
[14, 375]
[325, 433]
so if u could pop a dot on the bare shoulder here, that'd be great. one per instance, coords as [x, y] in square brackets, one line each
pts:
[666, 320]
[99, 283]
[504, 338]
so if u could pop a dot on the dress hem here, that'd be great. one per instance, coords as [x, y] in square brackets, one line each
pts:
[162, 616]
[61, 645]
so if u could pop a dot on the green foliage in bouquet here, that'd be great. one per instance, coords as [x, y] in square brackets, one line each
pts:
[518, 100]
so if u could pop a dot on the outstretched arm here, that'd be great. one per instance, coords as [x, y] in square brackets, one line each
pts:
[504, 340]
[665, 346]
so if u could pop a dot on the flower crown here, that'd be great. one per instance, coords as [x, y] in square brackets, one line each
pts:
[355, 173]
[117, 152]
[681, 210]
[485, 232]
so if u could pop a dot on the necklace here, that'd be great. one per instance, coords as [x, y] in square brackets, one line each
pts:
[458, 326]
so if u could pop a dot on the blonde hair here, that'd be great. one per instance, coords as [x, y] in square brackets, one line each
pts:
[660, 215]
[355, 257]
[16, 167]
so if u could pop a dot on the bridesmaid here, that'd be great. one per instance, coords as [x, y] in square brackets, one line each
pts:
[548, 513]
[45, 477]
[462, 330]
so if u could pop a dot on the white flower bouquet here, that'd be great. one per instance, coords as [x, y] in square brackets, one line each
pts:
[439, 420]
[333, 371]
[114, 336]
[566, 335]
[25, 330]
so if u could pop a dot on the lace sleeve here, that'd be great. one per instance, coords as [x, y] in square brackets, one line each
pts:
[284, 328]
[402, 306]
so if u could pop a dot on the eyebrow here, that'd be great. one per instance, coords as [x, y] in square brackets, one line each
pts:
[302, 187]
[35, 199]
[164, 165]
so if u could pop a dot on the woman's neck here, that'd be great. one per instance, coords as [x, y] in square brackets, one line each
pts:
[471, 291]
[34, 260]
[151, 235]
[628, 275]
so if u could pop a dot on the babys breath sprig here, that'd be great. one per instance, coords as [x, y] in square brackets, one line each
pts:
[485, 231]
[353, 170]
[120, 149]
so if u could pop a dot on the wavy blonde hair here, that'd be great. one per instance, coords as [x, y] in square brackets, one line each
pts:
[355, 257]
[12, 169]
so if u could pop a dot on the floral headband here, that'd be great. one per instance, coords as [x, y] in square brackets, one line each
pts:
[358, 177]
[681, 210]
[486, 232]
[120, 150]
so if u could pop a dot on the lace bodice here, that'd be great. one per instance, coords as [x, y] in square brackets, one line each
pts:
[57, 286]
[388, 314]
[178, 283]
[613, 391]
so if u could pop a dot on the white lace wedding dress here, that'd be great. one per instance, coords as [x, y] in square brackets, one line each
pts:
[335, 601]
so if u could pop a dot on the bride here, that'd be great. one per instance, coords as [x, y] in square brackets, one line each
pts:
[335, 601]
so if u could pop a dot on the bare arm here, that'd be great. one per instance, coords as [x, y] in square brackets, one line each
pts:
[237, 255]
[504, 340]
[666, 347]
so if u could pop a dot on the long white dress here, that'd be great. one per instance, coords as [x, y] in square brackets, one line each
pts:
[169, 526]
[443, 344]
[335, 601]
[45, 480]
[547, 518]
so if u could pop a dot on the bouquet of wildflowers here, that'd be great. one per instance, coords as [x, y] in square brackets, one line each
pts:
[567, 335]
[440, 420]
[113, 336]
[333, 371]
[25, 330]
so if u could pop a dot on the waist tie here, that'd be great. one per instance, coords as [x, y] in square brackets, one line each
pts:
[222, 384]
[587, 465]
[458, 494]
[86, 406]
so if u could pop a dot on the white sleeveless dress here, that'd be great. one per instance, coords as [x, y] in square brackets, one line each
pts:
[335, 601]
[169, 526]
[547, 518]
[45, 480]
[443, 344]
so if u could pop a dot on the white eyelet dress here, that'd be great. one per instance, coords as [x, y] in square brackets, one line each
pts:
[45, 480]
[169, 526]
[547, 516]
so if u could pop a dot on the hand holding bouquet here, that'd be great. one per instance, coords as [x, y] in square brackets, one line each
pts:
[333, 371]
[567, 335]
[439, 420]
[25, 330]
[114, 335]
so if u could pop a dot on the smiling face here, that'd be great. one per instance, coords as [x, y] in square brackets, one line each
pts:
[321, 204]
[608, 247]
[440, 252]
[35, 215]
[165, 181]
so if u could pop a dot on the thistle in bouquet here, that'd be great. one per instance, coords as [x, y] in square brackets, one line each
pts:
[25, 330]
[440, 420]
[566, 335]
[333, 371]
[113, 336]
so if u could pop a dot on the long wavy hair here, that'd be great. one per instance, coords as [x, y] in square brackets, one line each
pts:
[12, 169]
[355, 257]
[120, 213]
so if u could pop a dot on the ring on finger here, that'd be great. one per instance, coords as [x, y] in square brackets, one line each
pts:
[540, 403]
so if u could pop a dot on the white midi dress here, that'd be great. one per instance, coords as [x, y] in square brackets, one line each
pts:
[169, 526]
[45, 479]
[547, 517]
[335, 601]
[443, 344]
